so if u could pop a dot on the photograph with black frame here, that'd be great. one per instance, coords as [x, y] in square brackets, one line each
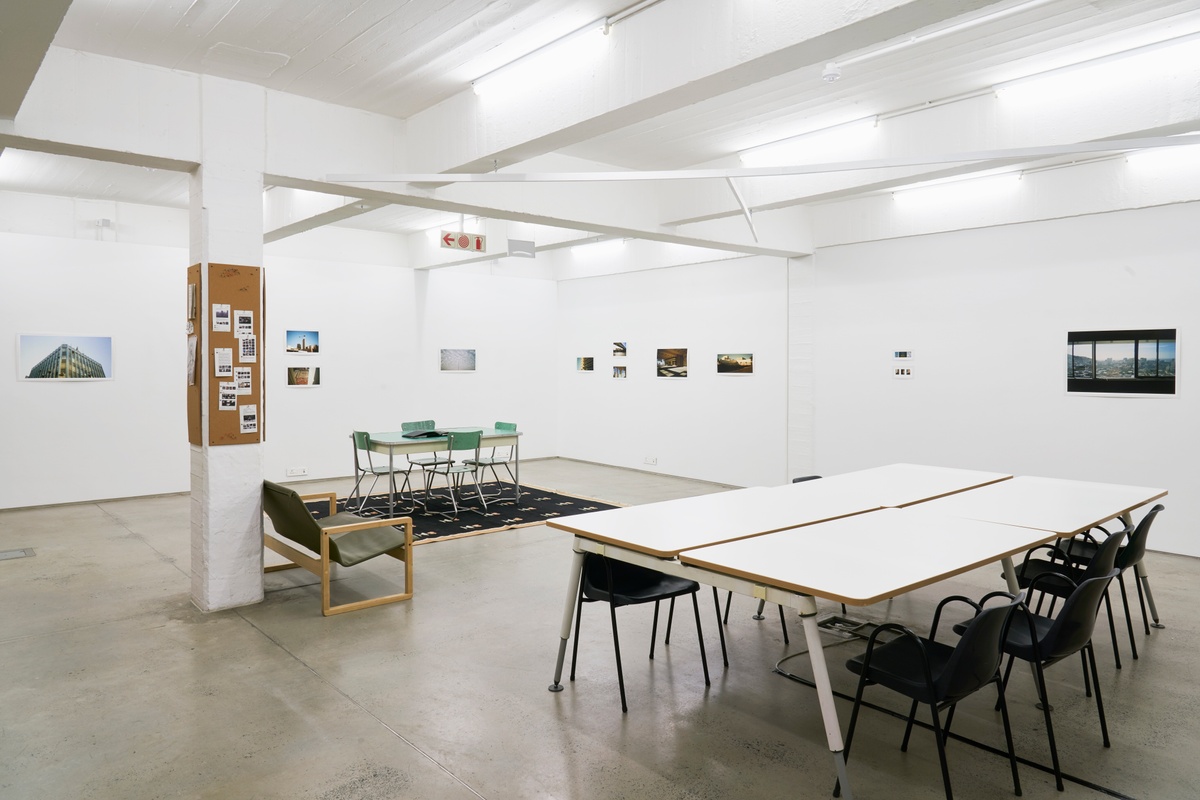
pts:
[1121, 361]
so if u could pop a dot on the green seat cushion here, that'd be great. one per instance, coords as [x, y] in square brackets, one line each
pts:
[354, 547]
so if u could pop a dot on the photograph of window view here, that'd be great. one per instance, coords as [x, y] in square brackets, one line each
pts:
[1127, 362]
[619, 349]
[735, 362]
[65, 357]
[672, 363]
[585, 364]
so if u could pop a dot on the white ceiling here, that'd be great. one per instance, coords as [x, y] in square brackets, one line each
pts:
[403, 58]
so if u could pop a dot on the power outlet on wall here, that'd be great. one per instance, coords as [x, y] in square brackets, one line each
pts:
[651, 460]
[296, 472]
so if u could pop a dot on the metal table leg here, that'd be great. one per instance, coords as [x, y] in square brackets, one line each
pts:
[833, 731]
[568, 618]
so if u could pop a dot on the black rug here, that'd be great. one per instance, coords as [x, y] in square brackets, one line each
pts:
[503, 513]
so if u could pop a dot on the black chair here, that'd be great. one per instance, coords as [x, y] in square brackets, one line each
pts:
[1084, 551]
[763, 603]
[938, 674]
[1062, 578]
[1043, 641]
[621, 584]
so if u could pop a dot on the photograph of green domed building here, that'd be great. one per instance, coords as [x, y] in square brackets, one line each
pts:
[66, 357]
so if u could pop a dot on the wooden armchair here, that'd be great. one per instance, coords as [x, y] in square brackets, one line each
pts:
[343, 538]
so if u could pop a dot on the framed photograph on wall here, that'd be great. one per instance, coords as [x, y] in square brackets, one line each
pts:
[735, 363]
[672, 363]
[620, 350]
[304, 376]
[585, 364]
[460, 360]
[620, 372]
[303, 343]
[62, 357]
[1128, 362]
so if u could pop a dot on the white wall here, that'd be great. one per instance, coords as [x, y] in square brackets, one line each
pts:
[986, 313]
[725, 428]
[75, 441]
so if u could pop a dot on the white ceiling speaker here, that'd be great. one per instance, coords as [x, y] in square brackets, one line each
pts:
[831, 72]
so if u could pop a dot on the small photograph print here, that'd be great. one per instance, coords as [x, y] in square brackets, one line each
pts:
[457, 360]
[220, 312]
[672, 363]
[620, 372]
[303, 342]
[585, 364]
[736, 363]
[249, 421]
[619, 349]
[59, 357]
[1131, 362]
[303, 376]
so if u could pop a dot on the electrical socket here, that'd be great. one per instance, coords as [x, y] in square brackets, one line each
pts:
[651, 460]
[296, 472]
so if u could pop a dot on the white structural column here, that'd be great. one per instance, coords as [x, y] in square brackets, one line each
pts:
[226, 228]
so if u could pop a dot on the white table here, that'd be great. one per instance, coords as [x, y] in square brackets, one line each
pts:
[659, 536]
[1065, 507]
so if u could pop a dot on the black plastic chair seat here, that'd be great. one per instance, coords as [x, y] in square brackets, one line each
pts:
[1032, 569]
[898, 666]
[636, 584]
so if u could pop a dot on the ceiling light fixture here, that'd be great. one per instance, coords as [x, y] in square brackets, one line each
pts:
[831, 73]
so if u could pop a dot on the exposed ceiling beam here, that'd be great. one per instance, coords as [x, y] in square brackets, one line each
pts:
[432, 203]
[1021, 153]
[26, 31]
[96, 153]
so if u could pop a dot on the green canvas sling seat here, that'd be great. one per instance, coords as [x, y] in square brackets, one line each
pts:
[341, 538]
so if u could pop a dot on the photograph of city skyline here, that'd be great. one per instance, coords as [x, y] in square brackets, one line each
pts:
[303, 342]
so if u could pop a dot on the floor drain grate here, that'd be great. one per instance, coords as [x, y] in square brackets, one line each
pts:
[24, 552]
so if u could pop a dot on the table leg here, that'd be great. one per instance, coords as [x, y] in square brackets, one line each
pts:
[1143, 578]
[392, 485]
[517, 470]
[1010, 574]
[833, 730]
[568, 618]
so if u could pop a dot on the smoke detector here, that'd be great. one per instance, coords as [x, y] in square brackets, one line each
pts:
[831, 72]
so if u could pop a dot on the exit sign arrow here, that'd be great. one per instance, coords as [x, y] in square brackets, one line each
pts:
[457, 240]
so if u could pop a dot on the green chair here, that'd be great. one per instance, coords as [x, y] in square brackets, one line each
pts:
[362, 445]
[457, 442]
[342, 538]
[500, 457]
[422, 425]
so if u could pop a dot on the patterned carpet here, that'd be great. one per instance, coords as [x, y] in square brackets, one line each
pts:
[503, 513]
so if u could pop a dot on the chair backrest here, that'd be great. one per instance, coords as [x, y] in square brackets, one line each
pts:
[290, 517]
[1135, 550]
[419, 425]
[1105, 558]
[362, 441]
[1072, 628]
[976, 657]
[463, 440]
[504, 452]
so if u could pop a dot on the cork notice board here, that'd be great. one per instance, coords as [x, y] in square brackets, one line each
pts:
[231, 289]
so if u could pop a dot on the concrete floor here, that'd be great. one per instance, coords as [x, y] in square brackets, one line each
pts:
[116, 686]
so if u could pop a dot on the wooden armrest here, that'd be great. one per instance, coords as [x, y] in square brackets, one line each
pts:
[330, 496]
[367, 524]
